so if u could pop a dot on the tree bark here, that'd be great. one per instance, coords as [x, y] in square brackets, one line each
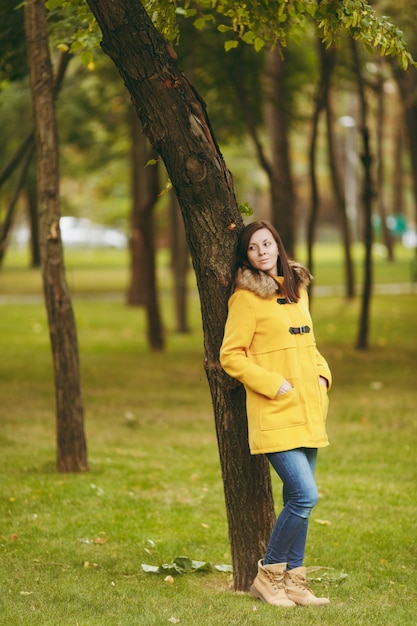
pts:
[71, 444]
[179, 264]
[174, 119]
[145, 188]
[32, 211]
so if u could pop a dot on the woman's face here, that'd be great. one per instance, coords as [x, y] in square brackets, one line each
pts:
[263, 251]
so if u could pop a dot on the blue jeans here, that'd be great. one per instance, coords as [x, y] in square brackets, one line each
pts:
[288, 538]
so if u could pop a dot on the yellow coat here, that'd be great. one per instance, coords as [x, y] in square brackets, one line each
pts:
[260, 351]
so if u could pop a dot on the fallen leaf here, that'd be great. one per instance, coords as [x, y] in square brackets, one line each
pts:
[323, 522]
[224, 568]
[174, 620]
[169, 579]
[101, 540]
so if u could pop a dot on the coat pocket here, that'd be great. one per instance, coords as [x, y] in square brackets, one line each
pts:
[324, 401]
[283, 411]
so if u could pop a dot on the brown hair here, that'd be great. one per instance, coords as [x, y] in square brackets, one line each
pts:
[292, 278]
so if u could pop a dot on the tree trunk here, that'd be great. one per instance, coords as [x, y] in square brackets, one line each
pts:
[326, 68]
[145, 188]
[276, 120]
[179, 264]
[8, 220]
[363, 331]
[71, 445]
[32, 210]
[174, 119]
[398, 177]
[278, 167]
[381, 123]
[340, 202]
[407, 84]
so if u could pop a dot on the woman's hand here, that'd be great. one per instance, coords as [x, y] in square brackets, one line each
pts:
[284, 388]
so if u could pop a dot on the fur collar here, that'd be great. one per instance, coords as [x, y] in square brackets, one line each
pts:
[264, 285]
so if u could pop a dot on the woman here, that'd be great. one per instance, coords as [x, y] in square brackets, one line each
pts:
[269, 346]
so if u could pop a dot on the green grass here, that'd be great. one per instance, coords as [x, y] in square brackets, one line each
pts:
[96, 271]
[71, 546]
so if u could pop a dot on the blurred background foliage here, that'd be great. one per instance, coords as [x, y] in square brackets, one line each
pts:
[95, 134]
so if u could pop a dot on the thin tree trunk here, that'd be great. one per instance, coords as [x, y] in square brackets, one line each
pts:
[407, 84]
[276, 119]
[398, 182]
[32, 210]
[278, 167]
[71, 444]
[363, 331]
[145, 187]
[17, 157]
[8, 220]
[174, 118]
[340, 203]
[386, 235]
[326, 68]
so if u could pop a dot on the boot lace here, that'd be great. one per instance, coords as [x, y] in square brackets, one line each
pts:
[277, 579]
[299, 581]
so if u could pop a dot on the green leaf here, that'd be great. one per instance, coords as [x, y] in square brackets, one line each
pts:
[249, 36]
[222, 28]
[232, 43]
[185, 12]
[180, 565]
[199, 23]
[245, 209]
[258, 44]
[86, 57]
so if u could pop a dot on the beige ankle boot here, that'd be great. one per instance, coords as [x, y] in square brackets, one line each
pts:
[297, 590]
[268, 585]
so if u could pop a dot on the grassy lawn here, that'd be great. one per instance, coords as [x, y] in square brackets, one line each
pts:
[72, 546]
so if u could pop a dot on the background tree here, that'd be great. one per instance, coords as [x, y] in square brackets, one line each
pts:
[145, 191]
[368, 192]
[71, 444]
